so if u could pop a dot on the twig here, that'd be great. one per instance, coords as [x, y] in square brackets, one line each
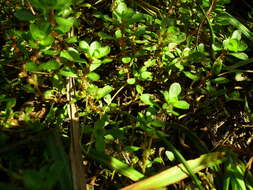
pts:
[78, 172]
[30, 7]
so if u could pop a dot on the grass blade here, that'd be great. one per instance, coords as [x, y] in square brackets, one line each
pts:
[116, 164]
[237, 24]
[178, 172]
[180, 157]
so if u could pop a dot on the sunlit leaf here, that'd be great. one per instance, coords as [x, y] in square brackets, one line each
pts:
[181, 104]
[93, 76]
[175, 90]
[31, 66]
[191, 75]
[64, 24]
[72, 55]
[220, 80]
[150, 62]
[84, 45]
[132, 148]
[236, 35]
[240, 55]
[131, 81]
[146, 99]
[50, 4]
[39, 30]
[101, 92]
[47, 41]
[234, 45]
[101, 52]
[67, 73]
[126, 60]
[94, 46]
[118, 165]
[170, 155]
[95, 65]
[118, 34]
[146, 75]
[49, 66]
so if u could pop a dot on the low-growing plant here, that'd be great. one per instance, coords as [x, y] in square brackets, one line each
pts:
[141, 92]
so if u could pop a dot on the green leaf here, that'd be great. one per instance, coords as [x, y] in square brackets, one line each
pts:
[24, 15]
[11, 102]
[106, 60]
[146, 99]
[108, 99]
[149, 63]
[220, 80]
[50, 52]
[84, 45]
[118, 34]
[157, 123]
[105, 36]
[237, 34]
[117, 165]
[166, 96]
[146, 75]
[47, 41]
[175, 90]
[131, 81]
[96, 64]
[137, 17]
[39, 31]
[181, 104]
[94, 46]
[101, 92]
[170, 155]
[72, 39]
[132, 148]
[67, 72]
[174, 35]
[101, 52]
[31, 66]
[217, 66]
[93, 76]
[139, 89]
[72, 55]
[46, 5]
[65, 24]
[49, 66]
[240, 55]
[240, 76]
[121, 8]
[191, 76]
[234, 45]
[49, 94]
[126, 59]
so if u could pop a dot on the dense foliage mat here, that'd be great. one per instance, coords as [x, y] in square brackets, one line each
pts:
[126, 94]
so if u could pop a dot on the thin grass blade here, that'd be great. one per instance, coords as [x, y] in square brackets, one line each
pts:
[178, 172]
[116, 164]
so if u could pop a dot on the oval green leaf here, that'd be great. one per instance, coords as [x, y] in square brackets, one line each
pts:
[175, 90]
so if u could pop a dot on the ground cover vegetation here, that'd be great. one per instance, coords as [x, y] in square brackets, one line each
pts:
[126, 94]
